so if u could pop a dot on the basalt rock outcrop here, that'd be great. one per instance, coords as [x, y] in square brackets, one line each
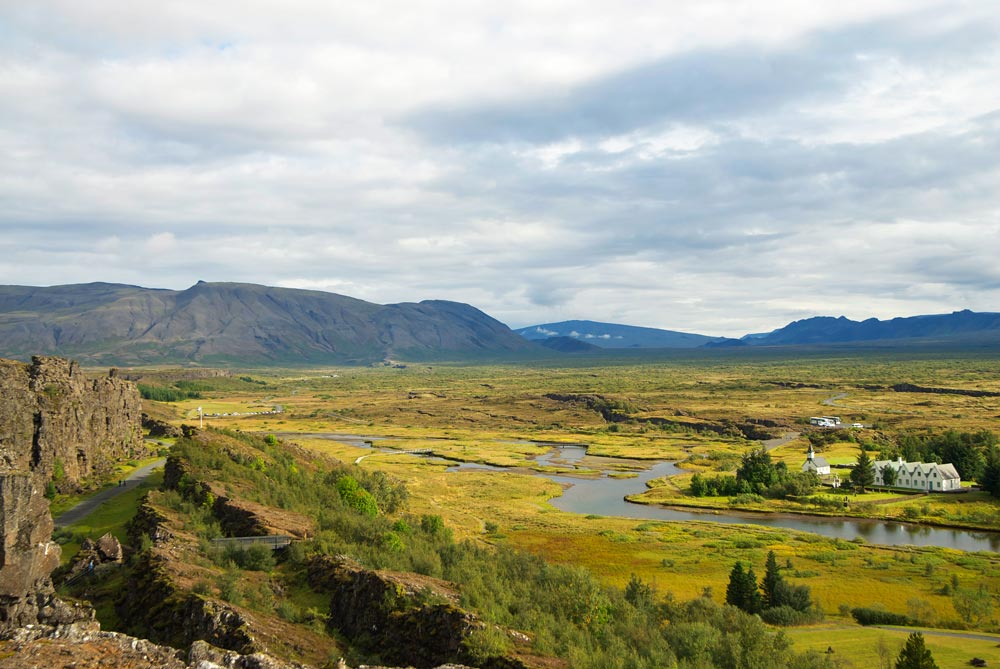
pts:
[159, 608]
[60, 425]
[27, 558]
[408, 618]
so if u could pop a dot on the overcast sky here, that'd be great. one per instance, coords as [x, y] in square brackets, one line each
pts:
[718, 167]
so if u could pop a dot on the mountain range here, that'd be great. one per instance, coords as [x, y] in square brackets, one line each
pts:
[239, 323]
[828, 330]
[103, 323]
[960, 327]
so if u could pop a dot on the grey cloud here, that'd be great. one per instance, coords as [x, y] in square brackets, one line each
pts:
[705, 86]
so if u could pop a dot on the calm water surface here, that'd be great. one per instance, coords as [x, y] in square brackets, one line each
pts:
[605, 496]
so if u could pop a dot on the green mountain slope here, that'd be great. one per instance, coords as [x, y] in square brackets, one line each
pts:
[218, 322]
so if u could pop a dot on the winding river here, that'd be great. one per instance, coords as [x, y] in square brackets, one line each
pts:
[605, 496]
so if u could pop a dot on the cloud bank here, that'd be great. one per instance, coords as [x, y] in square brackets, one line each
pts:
[712, 168]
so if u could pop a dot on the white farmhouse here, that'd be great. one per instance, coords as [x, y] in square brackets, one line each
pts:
[814, 464]
[928, 476]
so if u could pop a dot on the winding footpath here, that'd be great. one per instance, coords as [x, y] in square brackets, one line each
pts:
[84, 508]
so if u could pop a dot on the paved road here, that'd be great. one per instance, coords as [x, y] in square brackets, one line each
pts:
[935, 632]
[771, 444]
[832, 401]
[84, 508]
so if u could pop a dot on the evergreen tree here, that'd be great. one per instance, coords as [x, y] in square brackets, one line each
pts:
[742, 589]
[753, 603]
[771, 579]
[915, 654]
[863, 476]
[734, 590]
[989, 480]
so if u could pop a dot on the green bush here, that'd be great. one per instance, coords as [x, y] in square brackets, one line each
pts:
[786, 616]
[869, 616]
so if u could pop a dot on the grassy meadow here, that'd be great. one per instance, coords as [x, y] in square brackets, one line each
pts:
[682, 409]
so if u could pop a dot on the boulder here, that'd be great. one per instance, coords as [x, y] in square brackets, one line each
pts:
[109, 549]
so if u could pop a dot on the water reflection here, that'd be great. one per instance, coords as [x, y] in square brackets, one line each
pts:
[605, 496]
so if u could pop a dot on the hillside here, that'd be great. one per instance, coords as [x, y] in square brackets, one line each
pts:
[102, 323]
[612, 335]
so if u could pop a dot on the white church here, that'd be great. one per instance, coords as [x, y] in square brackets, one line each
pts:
[814, 464]
[928, 476]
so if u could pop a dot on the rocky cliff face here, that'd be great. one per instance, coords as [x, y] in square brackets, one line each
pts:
[57, 424]
[27, 555]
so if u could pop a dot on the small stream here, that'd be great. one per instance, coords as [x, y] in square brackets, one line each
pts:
[605, 496]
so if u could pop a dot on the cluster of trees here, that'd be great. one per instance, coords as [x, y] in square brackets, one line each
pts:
[166, 393]
[757, 475]
[966, 450]
[776, 600]
[989, 480]
[820, 438]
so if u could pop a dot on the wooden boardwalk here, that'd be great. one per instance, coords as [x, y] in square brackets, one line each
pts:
[416, 451]
[273, 541]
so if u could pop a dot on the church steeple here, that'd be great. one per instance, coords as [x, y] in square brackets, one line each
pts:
[811, 454]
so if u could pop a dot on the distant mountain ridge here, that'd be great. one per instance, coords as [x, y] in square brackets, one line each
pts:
[830, 330]
[612, 335]
[103, 323]
[958, 327]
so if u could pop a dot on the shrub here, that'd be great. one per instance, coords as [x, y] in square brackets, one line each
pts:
[870, 616]
[786, 616]
[255, 557]
[487, 642]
